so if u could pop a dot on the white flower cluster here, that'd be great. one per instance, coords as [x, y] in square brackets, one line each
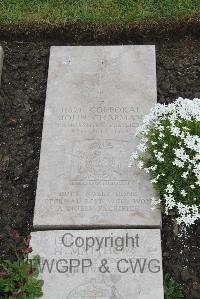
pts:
[170, 152]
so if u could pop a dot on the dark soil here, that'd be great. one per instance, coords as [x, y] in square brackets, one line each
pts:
[22, 99]
[170, 28]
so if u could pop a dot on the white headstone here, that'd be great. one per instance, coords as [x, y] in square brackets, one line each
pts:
[100, 264]
[96, 98]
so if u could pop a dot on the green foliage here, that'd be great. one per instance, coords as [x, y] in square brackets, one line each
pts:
[172, 289]
[95, 11]
[19, 275]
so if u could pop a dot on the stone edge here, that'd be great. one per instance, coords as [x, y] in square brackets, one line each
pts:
[48, 227]
[1, 61]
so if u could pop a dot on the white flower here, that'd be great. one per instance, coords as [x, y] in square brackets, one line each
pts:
[161, 128]
[169, 201]
[183, 193]
[178, 163]
[153, 168]
[142, 147]
[161, 135]
[140, 164]
[180, 154]
[159, 156]
[154, 181]
[175, 131]
[188, 215]
[146, 170]
[169, 189]
[165, 145]
[197, 157]
[144, 140]
[192, 142]
[185, 174]
[173, 122]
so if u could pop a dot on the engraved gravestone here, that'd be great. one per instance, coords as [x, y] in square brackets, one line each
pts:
[100, 264]
[96, 98]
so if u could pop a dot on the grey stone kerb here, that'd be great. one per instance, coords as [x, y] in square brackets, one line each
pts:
[1, 61]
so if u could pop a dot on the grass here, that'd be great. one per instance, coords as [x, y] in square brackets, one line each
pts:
[173, 290]
[61, 12]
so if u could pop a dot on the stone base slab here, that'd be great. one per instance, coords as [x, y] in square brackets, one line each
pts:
[100, 264]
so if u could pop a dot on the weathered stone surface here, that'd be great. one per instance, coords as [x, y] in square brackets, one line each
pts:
[89, 264]
[96, 97]
[1, 61]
